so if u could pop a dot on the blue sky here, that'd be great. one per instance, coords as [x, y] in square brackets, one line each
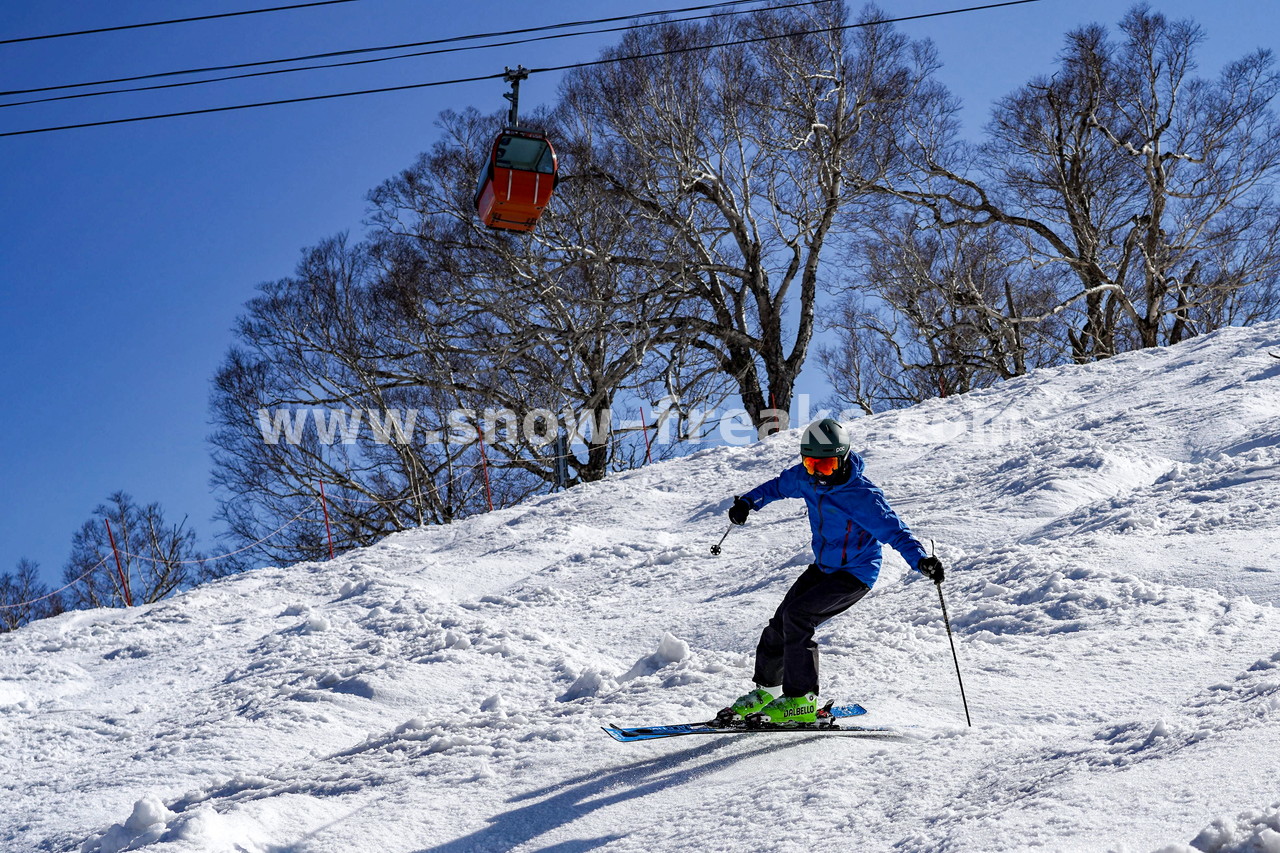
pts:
[126, 252]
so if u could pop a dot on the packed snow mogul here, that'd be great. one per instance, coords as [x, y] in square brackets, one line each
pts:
[850, 517]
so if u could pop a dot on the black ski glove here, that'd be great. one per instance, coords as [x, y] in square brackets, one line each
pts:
[738, 512]
[931, 567]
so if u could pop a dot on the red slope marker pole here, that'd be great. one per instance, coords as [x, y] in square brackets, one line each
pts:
[484, 466]
[124, 581]
[324, 504]
[644, 425]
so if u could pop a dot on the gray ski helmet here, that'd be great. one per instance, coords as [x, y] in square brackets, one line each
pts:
[825, 438]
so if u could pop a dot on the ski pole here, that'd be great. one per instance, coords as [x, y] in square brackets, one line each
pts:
[715, 549]
[954, 658]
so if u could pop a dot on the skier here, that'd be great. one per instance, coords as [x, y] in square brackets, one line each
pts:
[850, 517]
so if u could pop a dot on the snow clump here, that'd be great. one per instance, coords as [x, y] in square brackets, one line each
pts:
[1254, 831]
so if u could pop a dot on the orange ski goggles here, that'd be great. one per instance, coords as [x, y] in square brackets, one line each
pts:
[823, 467]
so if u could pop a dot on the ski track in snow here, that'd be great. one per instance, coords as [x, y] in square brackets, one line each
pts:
[1112, 540]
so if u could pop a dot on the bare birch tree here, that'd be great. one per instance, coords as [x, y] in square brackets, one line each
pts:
[24, 598]
[1207, 153]
[737, 160]
[934, 312]
[539, 323]
[305, 398]
[151, 558]
[1144, 193]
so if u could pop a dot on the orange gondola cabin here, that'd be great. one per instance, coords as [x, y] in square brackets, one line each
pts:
[517, 184]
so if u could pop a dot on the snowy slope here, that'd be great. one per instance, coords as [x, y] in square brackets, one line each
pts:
[1112, 534]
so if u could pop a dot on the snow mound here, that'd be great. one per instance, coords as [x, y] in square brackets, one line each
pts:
[1253, 831]
[153, 826]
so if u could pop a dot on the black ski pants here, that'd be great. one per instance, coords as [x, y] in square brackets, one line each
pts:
[787, 653]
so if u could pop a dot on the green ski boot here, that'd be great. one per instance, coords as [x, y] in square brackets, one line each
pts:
[788, 709]
[747, 704]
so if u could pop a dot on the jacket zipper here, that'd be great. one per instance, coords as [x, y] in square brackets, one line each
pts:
[844, 554]
[822, 541]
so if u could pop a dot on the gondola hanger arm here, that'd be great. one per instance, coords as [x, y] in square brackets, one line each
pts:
[514, 77]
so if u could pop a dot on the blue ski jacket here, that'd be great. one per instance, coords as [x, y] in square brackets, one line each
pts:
[849, 520]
